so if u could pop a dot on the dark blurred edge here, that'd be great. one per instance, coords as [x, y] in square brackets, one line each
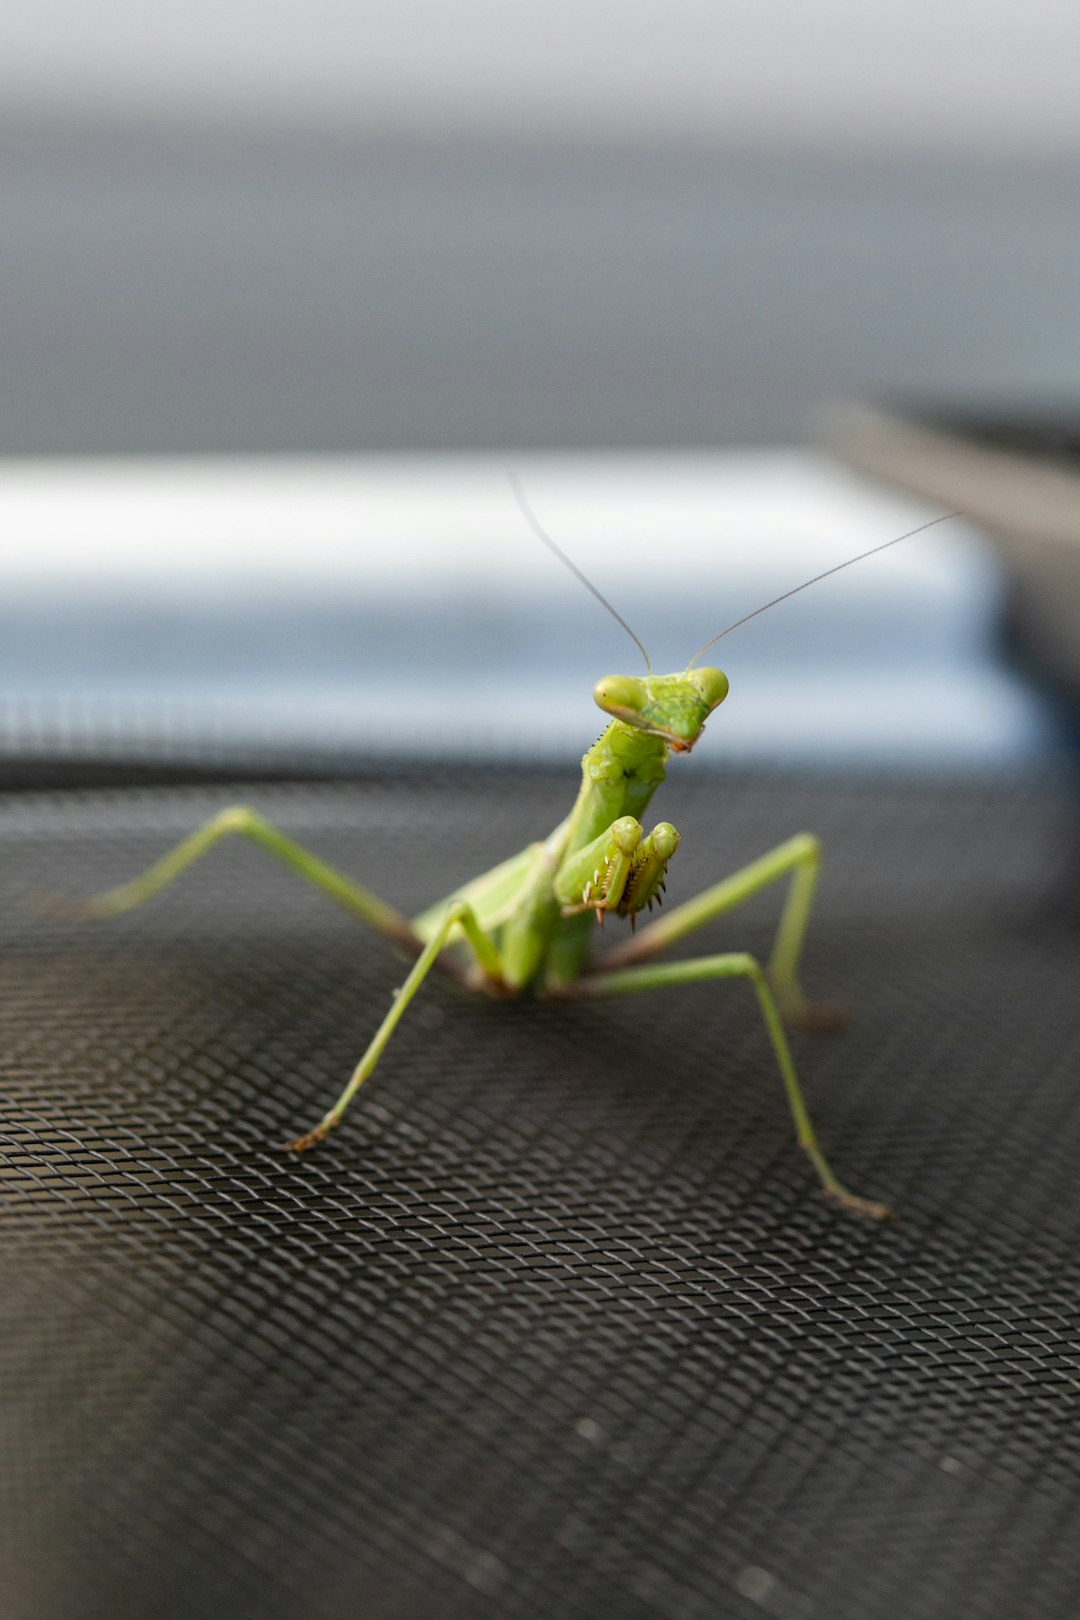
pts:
[36, 775]
[1014, 472]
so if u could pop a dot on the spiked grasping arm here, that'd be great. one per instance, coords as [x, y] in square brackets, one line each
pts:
[593, 878]
[621, 871]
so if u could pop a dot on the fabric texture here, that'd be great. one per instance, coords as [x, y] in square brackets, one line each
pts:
[558, 1325]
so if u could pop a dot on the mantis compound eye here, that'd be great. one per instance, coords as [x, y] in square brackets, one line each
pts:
[712, 686]
[623, 696]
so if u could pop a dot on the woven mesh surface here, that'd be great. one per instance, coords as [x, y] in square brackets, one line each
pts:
[559, 1324]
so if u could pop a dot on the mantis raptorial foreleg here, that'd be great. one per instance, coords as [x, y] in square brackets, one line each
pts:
[621, 870]
[799, 858]
[738, 965]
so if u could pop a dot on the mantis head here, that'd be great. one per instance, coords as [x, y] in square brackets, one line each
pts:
[674, 707]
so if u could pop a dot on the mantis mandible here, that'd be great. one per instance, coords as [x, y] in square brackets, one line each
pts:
[526, 925]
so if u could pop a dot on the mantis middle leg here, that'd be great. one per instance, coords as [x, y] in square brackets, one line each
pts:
[738, 964]
[799, 858]
[459, 912]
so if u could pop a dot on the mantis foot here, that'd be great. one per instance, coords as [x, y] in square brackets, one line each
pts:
[860, 1206]
[59, 908]
[309, 1139]
[816, 1017]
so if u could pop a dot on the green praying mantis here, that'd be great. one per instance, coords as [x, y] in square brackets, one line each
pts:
[526, 926]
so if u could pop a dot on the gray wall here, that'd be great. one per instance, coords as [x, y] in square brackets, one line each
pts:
[215, 289]
[356, 227]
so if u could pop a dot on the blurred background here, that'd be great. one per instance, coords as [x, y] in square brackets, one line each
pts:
[561, 1326]
[286, 290]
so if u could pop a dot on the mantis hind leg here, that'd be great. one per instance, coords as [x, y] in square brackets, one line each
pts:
[238, 819]
[800, 859]
[390, 923]
[739, 965]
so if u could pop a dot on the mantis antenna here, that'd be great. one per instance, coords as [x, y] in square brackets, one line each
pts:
[795, 589]
[530, 517]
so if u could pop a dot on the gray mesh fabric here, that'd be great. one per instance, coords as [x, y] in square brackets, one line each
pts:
[558, 1325]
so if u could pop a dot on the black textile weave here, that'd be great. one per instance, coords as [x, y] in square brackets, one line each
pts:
[558, 1326]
